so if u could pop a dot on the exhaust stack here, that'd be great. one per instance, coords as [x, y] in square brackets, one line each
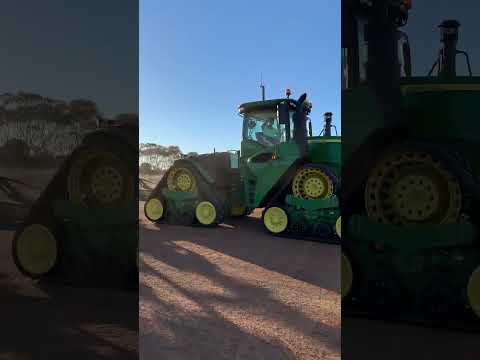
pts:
[448, 52]
[327, 125]
[446, 62]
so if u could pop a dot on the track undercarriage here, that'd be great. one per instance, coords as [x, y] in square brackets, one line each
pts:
[185, 197]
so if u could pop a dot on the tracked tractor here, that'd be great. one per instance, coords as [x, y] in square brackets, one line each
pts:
[411, 170]
[83, 227]
[281, 167]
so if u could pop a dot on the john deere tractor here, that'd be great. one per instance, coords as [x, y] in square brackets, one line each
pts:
[410, 192]
[84, 226]
[280, 167]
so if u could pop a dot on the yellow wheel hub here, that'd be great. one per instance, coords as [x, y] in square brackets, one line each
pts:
[107, 184]
[275, 220]
[473, 291]
[347, 275]
[36, 250]
[181, 180]
[312, 184]
[338, 226]
[206, 213]
[412, 188]
[154, 209]
[415, 197]
[100, 179]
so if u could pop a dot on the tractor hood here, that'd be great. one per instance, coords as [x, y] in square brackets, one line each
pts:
[327, 150]
[446, 107]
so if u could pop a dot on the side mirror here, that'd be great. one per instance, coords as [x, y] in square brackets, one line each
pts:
[300, 102]
[404, 55]
[283, 113]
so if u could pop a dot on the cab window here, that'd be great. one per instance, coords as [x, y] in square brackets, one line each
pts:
[263, 127]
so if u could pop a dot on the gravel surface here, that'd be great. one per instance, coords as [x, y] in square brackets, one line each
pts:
[236, 293]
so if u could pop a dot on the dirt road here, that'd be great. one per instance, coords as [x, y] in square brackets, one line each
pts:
[53, 321]
[238, 293]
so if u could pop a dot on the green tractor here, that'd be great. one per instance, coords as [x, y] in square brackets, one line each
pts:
[83, 228]
[411, 170]
[281, 168]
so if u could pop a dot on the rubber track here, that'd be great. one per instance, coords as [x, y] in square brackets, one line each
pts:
[470, 326]
[335, 240]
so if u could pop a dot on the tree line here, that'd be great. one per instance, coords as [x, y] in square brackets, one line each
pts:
[34, 127]
[155, 158]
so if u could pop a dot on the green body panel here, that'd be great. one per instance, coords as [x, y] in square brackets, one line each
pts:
[181, 205]
[313, 215]
[249, 149]
[362, 114]
[327, 203]
[260, 177]
[442, 110]
[433, 107]
[326, 150]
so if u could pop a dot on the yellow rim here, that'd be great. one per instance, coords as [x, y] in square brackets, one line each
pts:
[412, 188]
[36, 250]
[181, 180]
[154, 209]
[473, 291]
[275, 220]
[206, 213]
[107, 184]
[347, 276]
[99, 175]
[312, 184]
[338, 226]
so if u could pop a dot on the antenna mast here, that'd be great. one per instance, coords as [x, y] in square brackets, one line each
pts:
[262, 87]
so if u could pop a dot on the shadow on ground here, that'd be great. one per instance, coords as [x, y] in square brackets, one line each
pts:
[205, 331]
[256, 246]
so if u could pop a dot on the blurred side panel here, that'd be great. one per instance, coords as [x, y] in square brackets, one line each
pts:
[69, 179]
[410, 184]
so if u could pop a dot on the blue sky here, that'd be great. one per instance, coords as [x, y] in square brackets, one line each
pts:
[200, 59]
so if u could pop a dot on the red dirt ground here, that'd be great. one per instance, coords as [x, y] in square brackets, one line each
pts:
[240, 293]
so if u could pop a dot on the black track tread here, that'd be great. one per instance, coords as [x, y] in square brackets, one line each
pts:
[206, 192]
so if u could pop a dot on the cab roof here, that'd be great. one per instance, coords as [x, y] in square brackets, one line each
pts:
[263, 105]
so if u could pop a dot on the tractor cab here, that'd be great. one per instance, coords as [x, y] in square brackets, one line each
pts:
[277, 138]
[278, 125]
[262, 127]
